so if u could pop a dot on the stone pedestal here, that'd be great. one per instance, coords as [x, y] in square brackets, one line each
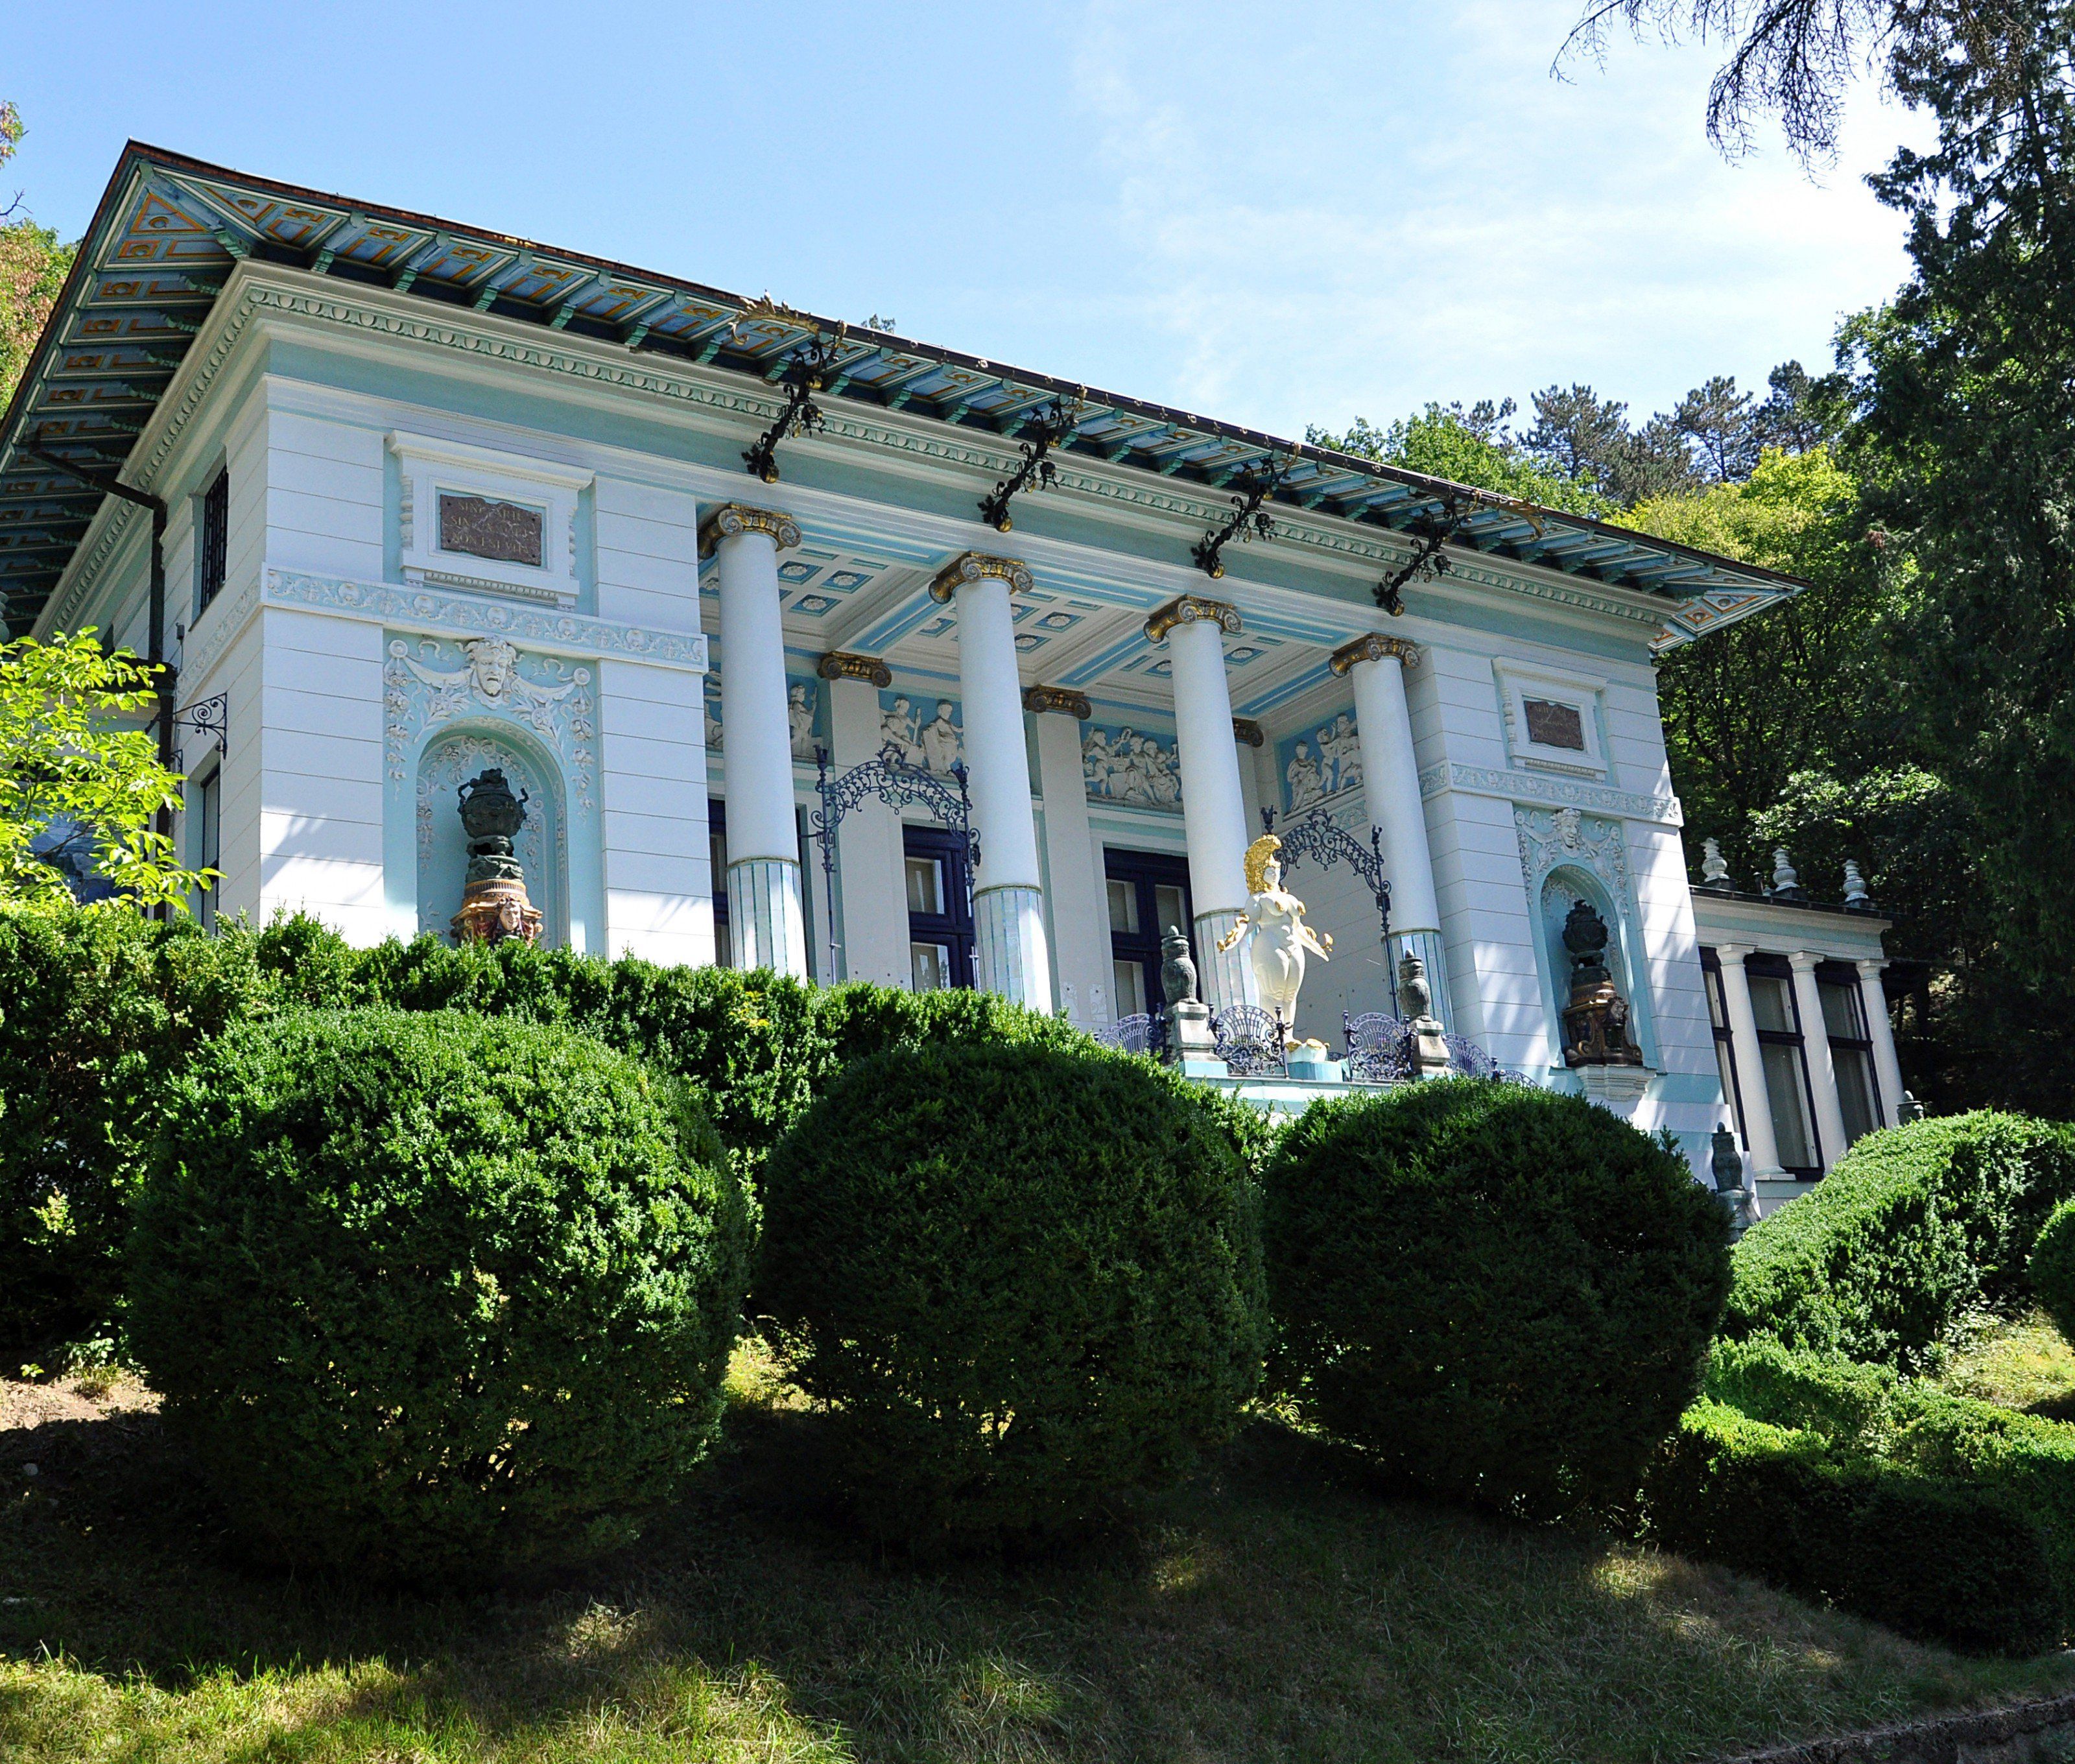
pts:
[1191, 1046]
[1617, 1088]
[492, 911]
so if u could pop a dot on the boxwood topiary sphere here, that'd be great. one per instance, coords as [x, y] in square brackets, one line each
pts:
[1502, 1294]
[433, 1293]
[2053, 1268]
[1029, 1278]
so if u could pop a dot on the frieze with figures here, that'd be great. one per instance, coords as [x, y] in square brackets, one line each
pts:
[1321, 763]
[802, 718]
[925, 732]
[1128, 765]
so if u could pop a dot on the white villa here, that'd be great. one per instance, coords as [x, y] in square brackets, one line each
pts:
[426, 500]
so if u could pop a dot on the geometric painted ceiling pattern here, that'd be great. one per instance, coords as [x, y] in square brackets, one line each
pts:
[170, 230]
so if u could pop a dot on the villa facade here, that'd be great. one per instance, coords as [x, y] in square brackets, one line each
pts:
[431, 501]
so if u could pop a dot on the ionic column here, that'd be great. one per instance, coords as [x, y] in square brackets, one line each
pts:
[1873, 1001]
[1008, 895]
[1762, 1143]
[765, 922]
[1213, 808]
[1815, 1048]
[1390, 783]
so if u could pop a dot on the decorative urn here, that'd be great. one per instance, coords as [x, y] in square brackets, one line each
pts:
[1177, 969]
[493, 905]
[1596, 1020]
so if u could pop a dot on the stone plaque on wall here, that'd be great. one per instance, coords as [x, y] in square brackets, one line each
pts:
[1551, 725]
[479, 527]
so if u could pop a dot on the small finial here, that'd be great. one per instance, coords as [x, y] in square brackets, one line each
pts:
[1714, 866]
[1784, 880]
[1857, 897]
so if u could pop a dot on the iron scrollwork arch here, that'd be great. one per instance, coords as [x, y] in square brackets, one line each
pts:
[891, 779]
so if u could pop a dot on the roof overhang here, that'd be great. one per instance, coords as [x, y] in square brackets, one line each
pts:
[169, 230]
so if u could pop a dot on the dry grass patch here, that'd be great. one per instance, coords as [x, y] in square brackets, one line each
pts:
[1280, 1610]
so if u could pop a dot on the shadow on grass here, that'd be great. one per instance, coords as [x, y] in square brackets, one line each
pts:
[1280, 1606]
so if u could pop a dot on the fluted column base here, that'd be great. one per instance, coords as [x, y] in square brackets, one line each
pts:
[1431, 949]
[1008, 936]
[765, 923]
[1225, 976]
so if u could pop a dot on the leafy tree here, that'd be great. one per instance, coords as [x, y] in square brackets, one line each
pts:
[79, 794]
[1474, 446]
[33, 267]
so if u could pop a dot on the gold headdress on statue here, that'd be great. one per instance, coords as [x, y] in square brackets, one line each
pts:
[1258, 857]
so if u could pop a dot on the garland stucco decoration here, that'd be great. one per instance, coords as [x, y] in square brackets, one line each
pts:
[1560, 792]
[1551, 838]
[489, 677]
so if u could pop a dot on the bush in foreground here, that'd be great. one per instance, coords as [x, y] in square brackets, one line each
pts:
[433, 1293]
[1502, 1295]
[1929, 1555]
[1916, 1225]
[1028, 1278]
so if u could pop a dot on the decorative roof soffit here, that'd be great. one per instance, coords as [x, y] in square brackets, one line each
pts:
[169, 230]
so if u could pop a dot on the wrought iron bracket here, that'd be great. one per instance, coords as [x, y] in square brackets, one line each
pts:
[803, 376]
[1054, 423]
[210, 717]
[893, 781]
[1247, 522]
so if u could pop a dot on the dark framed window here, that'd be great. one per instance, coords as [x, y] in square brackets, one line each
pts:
[207, 834]
[717, 853]
[1149, 891]
[940, 924]
[215, 558]
[1779, 1046]
[1725, 1050]
[1851, 1048]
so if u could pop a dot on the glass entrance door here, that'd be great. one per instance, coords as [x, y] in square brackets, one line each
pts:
[1148, 892]
[940, 926]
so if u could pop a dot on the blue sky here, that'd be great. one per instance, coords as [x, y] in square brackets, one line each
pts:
[1273, 215]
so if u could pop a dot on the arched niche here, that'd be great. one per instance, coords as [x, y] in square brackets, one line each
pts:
[449, 760]
[1561, 889]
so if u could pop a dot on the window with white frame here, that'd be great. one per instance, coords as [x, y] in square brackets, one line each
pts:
[1780, 1053]
[1851, 1048]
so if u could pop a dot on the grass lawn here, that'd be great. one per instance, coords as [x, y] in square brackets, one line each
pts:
[1279, 1610]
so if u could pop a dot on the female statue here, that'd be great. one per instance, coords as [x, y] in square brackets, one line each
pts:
[1280, 935]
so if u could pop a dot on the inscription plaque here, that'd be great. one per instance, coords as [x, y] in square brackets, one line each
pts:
[479, 527]
[1555, 725]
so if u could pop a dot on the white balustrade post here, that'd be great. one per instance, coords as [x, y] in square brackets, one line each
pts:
[1873, 1001]
[1815, 1048]
[1213, 806]
[1008, 895]
[765, 923]
[1390, 783]
[1759, 1139]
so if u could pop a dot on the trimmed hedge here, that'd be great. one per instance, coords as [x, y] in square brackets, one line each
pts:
[2025, 1463]
[1914, 1226]
[1027, 1278]
[98, 1009]
[1930, 1556]
[434, 1295]
[1502, 1295]
[2053, 1268]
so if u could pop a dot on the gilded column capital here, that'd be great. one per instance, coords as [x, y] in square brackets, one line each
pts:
[730, 519]
[1186, 609]
[1038, 700]
[841, 664]
[1373, 648]
[975, 566]
[1246, 730]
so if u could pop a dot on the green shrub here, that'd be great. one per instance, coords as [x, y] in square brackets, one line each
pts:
[1916, 1225]
[2052, 1268]
[435, 1294]
[1028, 1279]
[98, 1010]
[2025, 1463]
[1928, 1556]
[1502, 1294]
